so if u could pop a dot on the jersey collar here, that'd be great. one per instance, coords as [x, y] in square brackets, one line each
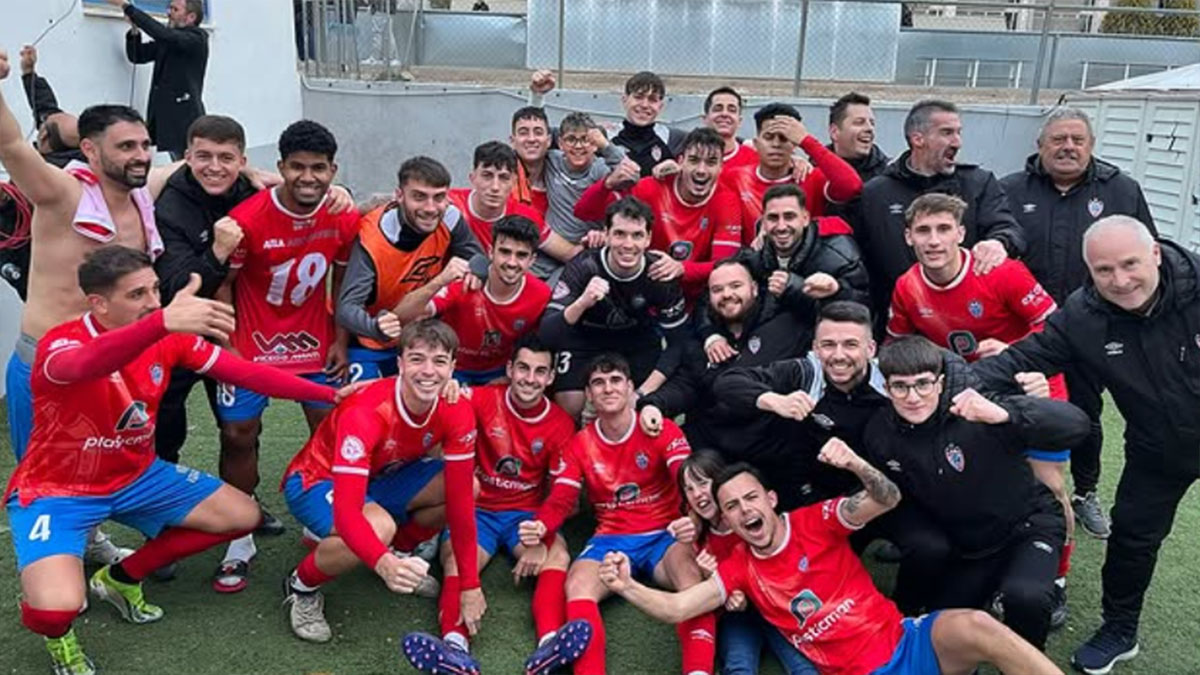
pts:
[604, 439]
[758, 175]
[492, 299]
[90, 324]
[528, 420]
[617, 277]
[404, 411]
[679, 198]
[965, 254]
[279, 205]
[787, 538]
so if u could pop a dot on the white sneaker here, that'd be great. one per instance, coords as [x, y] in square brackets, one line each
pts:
[428, 549]
[307, 616]
[101, 551]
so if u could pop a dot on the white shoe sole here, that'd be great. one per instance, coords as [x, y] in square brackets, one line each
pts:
[1123, 656]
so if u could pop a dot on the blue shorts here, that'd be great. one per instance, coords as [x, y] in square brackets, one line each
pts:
[371, 364]
[914, 655]
[393, 491]
[493, 528]
[478, 378]
[1056, 456]
[644, 550]
[19, 397]
[238, 404]
[161, 497]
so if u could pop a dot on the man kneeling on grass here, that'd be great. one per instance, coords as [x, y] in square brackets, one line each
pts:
[800, 572]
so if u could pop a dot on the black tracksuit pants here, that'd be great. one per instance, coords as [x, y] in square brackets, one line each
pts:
[1086, 394]
[172, 412]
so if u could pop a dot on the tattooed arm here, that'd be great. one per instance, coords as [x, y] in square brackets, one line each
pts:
[880, 494]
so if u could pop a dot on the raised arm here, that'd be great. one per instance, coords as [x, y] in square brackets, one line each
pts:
[45, 185]
[879, 495]
[693, 601]
[175, 38]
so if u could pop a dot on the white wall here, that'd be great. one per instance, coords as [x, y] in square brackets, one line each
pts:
[251, 74]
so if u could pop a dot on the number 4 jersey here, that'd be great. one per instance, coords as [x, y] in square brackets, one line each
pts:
[280, 296]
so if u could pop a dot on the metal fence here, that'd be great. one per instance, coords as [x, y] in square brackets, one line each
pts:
[1015, 46]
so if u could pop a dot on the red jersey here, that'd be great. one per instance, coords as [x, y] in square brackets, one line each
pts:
[94, 437]
[707, 231]
[749, 186]
[515, 451]
[280, 291]
[721, 544]
[482, 228]
[815, 591]
[388, 436]
[486, 327]
[743, 155]
[1006, 304]
[630, 481]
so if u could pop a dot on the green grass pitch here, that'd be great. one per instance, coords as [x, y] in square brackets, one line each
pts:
[204, 632]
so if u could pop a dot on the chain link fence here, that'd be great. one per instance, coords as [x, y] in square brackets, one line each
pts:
[1017, 51]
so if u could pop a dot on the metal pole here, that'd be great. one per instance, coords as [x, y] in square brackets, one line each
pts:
[1039, 67]
[562, 39]
[800, 47]
[305, 15]
[1053, 58]
[412, 37]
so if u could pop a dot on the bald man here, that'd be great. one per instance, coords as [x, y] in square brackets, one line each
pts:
[1135, 326]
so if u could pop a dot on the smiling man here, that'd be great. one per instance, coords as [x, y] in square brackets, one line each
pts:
[490, 196]
[800, 573]
[647, 141]
[723, 114]
[933, 131]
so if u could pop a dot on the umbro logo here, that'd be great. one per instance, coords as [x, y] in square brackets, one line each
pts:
[1028, 208]
[896, 209]
[1114, 349]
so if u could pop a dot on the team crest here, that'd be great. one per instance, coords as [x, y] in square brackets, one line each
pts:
[536, 446]
[353, 449]
[156, 374]
[975, 307]
[804, 606]
[561, 290]
[703, 223]
[656, 153]
[680, 250]
[427, 439]
[642, 460]
[1095, 207]
[803, 566]
[955, 457]
[754, 344]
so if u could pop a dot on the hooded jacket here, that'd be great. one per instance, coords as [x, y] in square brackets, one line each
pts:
[880, 233]
[1150, 363]
[1054, 221]
[828, 247]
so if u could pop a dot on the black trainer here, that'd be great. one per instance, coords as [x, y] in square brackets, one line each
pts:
[1059, 611]
[1107, 647]
[270, 526]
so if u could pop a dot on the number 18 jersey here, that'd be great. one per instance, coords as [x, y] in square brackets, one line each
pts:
[283, 317]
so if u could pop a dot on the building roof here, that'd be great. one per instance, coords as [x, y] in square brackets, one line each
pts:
[1184, 78]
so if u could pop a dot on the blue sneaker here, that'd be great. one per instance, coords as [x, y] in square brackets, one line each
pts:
[432, 655]
[1105, 649]
[562, 649]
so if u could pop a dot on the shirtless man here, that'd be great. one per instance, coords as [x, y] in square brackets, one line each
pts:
[77, 209]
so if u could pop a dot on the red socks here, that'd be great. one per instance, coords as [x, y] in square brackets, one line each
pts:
[52, 623]
[450, 608]
[697, 640]
[309, 574]
[549, 602]
[170, 545]
[1064, 560]
[410, 534]
[592, 662]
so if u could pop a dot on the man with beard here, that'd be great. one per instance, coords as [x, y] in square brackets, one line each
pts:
[801, 262]
[800, 573]
[1060, 193]
[761, 332]
[490, 196]
[934, 135]
[606, 301]
[696, 220]
[831, 391]
[491, 319]
[723, 114]
[631, 483]
[291, 247]
[852, 137]
[779, 133]
[522, 437]
[417, 240]
[179, 51]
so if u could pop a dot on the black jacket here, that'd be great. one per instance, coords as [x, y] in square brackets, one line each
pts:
[185, 215]
[770, 333]
[1149, 363]
[880, 233]
[649, 145]
[867, 167]
[180, 57]
[972, 479]
[828, 247]
[1054, 221]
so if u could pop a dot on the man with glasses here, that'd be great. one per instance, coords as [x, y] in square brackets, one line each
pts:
[960, 460]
